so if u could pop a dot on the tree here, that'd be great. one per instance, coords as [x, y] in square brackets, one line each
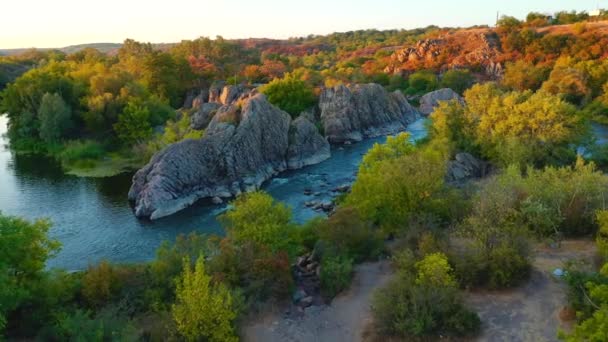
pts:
[55, 118]
[133, 124]
[290, 94]
[203, 310]
[421, 82]
[24, 250]
[395, 181]
[257, 217]
[457, 80]
[434, 270]
[522, 75]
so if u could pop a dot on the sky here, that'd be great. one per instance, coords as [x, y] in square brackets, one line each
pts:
[59, 23]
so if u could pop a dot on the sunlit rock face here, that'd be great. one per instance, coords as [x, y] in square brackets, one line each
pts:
[352, 113]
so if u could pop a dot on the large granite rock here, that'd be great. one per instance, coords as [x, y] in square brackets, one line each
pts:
[352, 113]
[431, 100]
[201, 118]
[465, 167]
[306, 145]
[239, 152]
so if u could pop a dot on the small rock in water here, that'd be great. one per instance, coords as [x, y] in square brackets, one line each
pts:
[216, 200]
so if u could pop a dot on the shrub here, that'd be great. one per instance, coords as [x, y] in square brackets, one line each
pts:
[457, 80]
[80, 150]
[108, 324]
[422, 82]
[396, 182]
[257, 217]
[348, 235]
[290, 94]
[417, 303]
[100, 284]
[55, 117]
[336, 274]
[601, 239]
[203, 310]
[24, 250]
[259, 273]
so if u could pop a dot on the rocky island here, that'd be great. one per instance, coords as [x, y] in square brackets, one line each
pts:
[248, 141]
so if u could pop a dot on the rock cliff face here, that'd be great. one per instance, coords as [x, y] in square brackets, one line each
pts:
[306, 145]
[246, 143]
[431, 100]
[460, 49]
[360, 111]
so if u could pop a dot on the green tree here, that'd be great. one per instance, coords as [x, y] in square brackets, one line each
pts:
[24, 250]
[396, 181]
[203, 310]
[133, 124]
[421, 82]
[522, 75]
[257, 217]
[55, 118]
[290, 94]
[434, 270]
[457, 80]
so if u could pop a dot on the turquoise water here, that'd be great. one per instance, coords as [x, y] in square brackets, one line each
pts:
[93, 220]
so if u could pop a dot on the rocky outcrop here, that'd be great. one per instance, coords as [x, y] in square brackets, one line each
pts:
[430, 101]
[245, 144]
[460, 49]
[352, 113]
[306, 145]
[201, 118]
[237, 154]
[465, 167]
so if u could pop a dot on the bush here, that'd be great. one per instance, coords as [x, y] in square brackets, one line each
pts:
[257, 217]
[78, 150]
[417, 303]
[422, 82]
[203, 310]
[396, 182]
[100, 284]
[107, 325]
[258, 272]
[346, 234]
[336, 274]
[457, 80]
[290, 94]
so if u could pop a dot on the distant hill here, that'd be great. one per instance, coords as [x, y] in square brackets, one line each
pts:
[102, 47]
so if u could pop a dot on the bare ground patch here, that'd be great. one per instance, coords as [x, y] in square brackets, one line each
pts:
[343, 320]
[532, 311]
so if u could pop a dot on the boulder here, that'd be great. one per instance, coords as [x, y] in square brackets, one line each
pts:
[465, 167]
[236, 155]
[201, 118]
[306, 145]
[352, 113]
[231, 93]
[431, 100]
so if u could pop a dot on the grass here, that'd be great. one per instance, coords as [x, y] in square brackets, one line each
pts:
[111, 165]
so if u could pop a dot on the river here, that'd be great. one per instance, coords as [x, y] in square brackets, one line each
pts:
[93, 220]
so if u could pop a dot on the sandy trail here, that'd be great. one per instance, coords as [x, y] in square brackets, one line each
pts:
[344, 320]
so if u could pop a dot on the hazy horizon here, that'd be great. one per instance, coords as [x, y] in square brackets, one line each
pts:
[71, 22]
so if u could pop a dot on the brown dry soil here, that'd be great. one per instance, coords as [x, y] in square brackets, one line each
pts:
[530, 312]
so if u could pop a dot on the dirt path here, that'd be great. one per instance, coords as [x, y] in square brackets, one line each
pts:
[343, 320]
[530, 312]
